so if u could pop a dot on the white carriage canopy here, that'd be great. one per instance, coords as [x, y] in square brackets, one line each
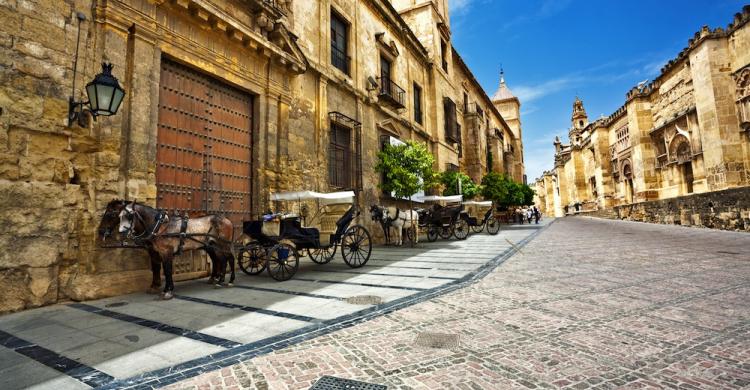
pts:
[436, 198]
[329, 198]
[479, 202]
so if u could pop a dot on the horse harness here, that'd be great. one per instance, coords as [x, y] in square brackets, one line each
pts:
[161, 218]
[398, 212]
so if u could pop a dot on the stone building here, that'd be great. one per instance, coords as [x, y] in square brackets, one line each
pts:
[684, 133]
[226, 102]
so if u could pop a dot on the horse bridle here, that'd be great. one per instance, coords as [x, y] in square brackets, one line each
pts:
[146, 234]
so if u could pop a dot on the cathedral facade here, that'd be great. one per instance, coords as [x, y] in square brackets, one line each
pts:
[681, 137]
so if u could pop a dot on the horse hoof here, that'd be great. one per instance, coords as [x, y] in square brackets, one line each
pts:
[167, 296]
[217, 285]
[211, 281]
[227, 284]
[153, 290]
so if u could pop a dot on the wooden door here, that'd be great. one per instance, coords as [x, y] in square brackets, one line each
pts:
[204, 149]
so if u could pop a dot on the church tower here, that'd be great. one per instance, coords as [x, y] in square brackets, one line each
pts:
[579, 121]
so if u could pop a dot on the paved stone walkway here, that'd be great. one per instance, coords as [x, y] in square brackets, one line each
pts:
[587, 304]
[137, 341]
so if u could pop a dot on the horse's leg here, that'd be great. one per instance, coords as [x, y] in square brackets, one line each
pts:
[400, 230]
[155, 271]
[169, 284]
[229, 255]
[218, 267]
[212, 276]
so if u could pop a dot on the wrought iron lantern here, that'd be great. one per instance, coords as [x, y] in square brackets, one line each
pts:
[104, 93]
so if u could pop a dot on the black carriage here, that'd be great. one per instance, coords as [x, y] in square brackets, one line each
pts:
[443, 218]
[276, 242]
[480, 215]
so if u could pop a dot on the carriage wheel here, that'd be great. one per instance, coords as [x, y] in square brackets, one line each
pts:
[461, 229]
[445, 232]
[322, 255]
[252, 259]
[477, 228]
[356, 246]
[432, 234]
[493, 226]
[283, 262]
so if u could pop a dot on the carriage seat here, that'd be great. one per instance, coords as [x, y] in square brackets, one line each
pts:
[334, 220]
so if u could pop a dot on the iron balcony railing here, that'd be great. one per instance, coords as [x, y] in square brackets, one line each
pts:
[391, 92]
[340, 60]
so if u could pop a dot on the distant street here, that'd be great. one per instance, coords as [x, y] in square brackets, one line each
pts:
[587, 304]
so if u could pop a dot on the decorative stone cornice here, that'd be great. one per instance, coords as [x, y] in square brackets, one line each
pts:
[269, 36]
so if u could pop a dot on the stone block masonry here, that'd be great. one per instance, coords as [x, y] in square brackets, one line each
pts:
[726, 210]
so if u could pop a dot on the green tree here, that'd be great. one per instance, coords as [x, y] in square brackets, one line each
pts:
[449, 179]
[505, 192]
[407, 168]
[497, 188]
[528, 194]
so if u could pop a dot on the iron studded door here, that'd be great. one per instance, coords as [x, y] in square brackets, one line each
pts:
[203, 151]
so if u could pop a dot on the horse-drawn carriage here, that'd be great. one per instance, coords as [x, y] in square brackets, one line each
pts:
[443, 218]
[277, 240]
[480, 214]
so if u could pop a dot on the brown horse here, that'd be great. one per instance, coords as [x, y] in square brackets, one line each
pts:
[164, 237]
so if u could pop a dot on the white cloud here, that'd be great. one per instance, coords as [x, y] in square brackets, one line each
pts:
[529, 93]
[459, 6]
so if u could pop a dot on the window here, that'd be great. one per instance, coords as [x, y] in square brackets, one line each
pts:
[466, 103]
[385, 69]
[339, 156]
[417, 103]
[339, 43]
[444, 55]
[449, 116]
[460, 143]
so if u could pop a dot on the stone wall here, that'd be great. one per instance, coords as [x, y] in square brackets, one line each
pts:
[726, 210]
[55, 179]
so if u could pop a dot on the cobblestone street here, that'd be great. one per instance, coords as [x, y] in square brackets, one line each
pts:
[587, 304]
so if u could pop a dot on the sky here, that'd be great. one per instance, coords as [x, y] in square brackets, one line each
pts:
[553, 50]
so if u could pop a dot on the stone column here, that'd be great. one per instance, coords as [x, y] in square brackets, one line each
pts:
[640, 122]
[717, 115]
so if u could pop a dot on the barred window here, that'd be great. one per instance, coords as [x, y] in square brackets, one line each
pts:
[339, 157]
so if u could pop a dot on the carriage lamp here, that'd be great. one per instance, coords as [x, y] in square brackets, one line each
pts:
[105, 96]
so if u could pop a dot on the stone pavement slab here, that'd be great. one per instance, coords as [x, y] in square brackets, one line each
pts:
[586, 304]
[138, 341]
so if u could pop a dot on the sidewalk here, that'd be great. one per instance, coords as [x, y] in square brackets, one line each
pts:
[136, 340]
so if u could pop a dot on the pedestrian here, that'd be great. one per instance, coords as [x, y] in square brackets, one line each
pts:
[537, 215]
[528, 215]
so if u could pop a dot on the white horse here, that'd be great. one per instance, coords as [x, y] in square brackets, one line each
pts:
[400, 220]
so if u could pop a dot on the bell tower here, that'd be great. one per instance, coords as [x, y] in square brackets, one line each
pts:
[579, 120]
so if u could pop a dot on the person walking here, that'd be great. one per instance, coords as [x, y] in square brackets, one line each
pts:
[529, 215]
[537, 215]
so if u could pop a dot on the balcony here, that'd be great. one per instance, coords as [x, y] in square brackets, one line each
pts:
[391, 93]
[475, 109]
[340, 60]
